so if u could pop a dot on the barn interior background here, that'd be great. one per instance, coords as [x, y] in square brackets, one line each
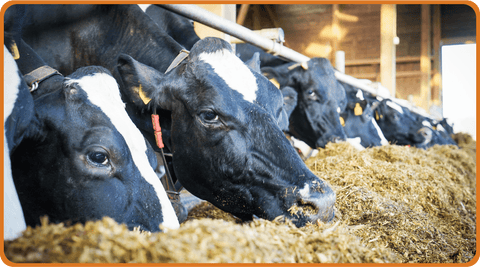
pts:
[395, 203]
[398, 46]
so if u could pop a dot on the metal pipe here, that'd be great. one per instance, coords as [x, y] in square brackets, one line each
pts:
[205, 17]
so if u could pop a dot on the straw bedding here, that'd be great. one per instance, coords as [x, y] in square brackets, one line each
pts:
[394, 204]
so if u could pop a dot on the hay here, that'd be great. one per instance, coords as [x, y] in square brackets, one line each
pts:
[420, 203]
[394, 204]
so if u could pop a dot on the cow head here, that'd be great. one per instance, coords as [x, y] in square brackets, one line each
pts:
[226, 138]
[399, 125]
[84, 159]
[433, 131]
[358, 118]
[321, 98]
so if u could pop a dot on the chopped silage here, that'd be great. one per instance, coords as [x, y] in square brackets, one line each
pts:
[394, 204]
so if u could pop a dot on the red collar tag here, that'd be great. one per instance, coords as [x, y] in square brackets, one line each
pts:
[157, 130]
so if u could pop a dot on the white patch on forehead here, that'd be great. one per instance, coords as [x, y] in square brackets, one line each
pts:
[383, 140]
[11, 83]
[395, 106]
[339, 110]
[233, 71]
[102, 91]
[305, 192]
[144, 7]
[426, 124]
[359, 95]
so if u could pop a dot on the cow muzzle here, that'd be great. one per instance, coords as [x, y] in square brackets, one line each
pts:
[314, 202]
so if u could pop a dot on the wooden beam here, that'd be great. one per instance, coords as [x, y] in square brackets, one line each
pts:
[257, 25]
[335, 32]
[437, 77]
[388, 30]
[376, 61]
[272, 16]
[425, 63]
[242, 14]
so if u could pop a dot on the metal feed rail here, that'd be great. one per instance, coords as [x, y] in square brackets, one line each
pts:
[210, 19]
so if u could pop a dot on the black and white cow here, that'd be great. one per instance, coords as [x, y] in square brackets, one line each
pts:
[359, 118]
[316, 118]
[434, 132]
[81, 157]
[18, 112]
[222, 119]
[399, 125]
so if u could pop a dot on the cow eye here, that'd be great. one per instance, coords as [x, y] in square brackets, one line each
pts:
[208, 116]
[98, 157]
[312, 95]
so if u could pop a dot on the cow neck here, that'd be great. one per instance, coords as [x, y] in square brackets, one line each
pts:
[172, 191]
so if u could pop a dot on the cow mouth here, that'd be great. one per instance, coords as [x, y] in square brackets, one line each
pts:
[303, 208]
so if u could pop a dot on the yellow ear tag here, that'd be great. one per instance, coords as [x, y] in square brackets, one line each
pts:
[358, 110]
[342, 121]
[15, 53]
[434, 127]
[275, 82]
[376, 116]
[142, 95]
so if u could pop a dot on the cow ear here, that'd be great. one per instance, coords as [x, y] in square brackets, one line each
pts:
[143, 85]
[254, 62]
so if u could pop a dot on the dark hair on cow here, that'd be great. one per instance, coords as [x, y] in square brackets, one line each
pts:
[88, 71]
[325, 67]
[208, 45]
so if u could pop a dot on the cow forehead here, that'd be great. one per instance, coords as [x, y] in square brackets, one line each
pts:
[102, 91]
[233, 71]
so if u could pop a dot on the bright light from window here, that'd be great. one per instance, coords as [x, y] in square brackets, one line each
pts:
[459, 87]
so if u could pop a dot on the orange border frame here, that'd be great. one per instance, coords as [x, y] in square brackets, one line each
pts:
[6, 4]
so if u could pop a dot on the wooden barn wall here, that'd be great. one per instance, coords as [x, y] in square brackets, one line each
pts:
[308, 30]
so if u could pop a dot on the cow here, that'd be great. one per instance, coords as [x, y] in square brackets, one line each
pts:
[434, 132]
[399, 125]
[321, 98]
[358, 118]
[221, 119]
[18, 112]
[81, 157]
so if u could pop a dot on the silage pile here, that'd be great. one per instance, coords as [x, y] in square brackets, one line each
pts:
[394, 204]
